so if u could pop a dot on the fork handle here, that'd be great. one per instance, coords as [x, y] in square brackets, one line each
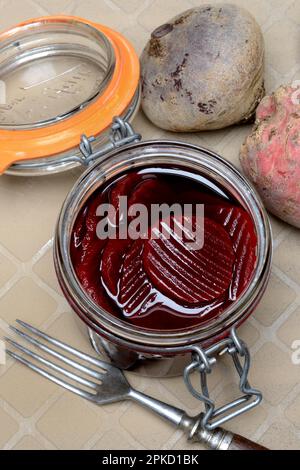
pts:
[218, 439]
[168, 412]
[241, 443]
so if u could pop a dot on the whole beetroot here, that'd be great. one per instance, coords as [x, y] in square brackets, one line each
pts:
[270, 156]
[203, 69]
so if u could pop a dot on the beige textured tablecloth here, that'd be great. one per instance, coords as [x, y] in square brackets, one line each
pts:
[35, 414]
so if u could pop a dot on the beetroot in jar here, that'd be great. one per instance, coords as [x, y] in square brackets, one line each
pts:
[158, 280]
[145, 302]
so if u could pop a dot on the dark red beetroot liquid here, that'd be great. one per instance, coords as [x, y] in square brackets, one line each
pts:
[157, 282]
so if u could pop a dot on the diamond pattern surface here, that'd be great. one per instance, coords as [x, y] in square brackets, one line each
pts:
[287, 255]
[8, 428]
[103, 12]
[288, 440]
[276, 300]
[273, 368]
[27, 223]
[44, 268]
[281, 57]
[287, 330]
[69, 423]
[26, 290]
[159, 12]
[23, 390]
[7, 270]
[28, 443]
[34, 413]
[113, 440]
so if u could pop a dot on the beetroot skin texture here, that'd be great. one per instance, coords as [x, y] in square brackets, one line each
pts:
[270, 156]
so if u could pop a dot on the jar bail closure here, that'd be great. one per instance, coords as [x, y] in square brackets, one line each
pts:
[121, 133]
[203, 361]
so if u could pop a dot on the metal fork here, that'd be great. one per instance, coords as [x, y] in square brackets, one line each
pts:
[109, 385]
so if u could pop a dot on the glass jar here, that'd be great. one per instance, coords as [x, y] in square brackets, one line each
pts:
[130, 347]
[62, 82]
[61, 77]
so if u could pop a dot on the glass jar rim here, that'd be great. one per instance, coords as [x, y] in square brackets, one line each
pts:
[72, 158]
[140, 154]
[29, 34]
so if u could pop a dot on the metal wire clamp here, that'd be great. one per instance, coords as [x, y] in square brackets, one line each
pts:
[203, 362]
[121, 134]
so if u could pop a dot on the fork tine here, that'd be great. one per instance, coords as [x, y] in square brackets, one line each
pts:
[53, 378]
[61, 357]
[66, 347]
[51, 365]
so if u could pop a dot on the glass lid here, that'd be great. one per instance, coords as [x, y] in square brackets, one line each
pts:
[51, 72]
[61, 77]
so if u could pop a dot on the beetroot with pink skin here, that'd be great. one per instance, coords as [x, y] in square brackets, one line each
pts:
[270, 156]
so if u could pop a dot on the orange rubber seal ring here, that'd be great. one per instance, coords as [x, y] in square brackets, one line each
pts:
[17, 145]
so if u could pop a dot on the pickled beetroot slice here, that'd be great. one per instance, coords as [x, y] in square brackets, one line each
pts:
[88, 255]
[89, 265]
[235, 221]
[124, 187]
[98, 295]
[136, 293]
[88, 273]
[245, 264]
[151, 191]
[84, 231]
[78, 233]
[197, 197]
[240, 228]
[91, 222]
[92, 218]
[186, 275]
[112, 259]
